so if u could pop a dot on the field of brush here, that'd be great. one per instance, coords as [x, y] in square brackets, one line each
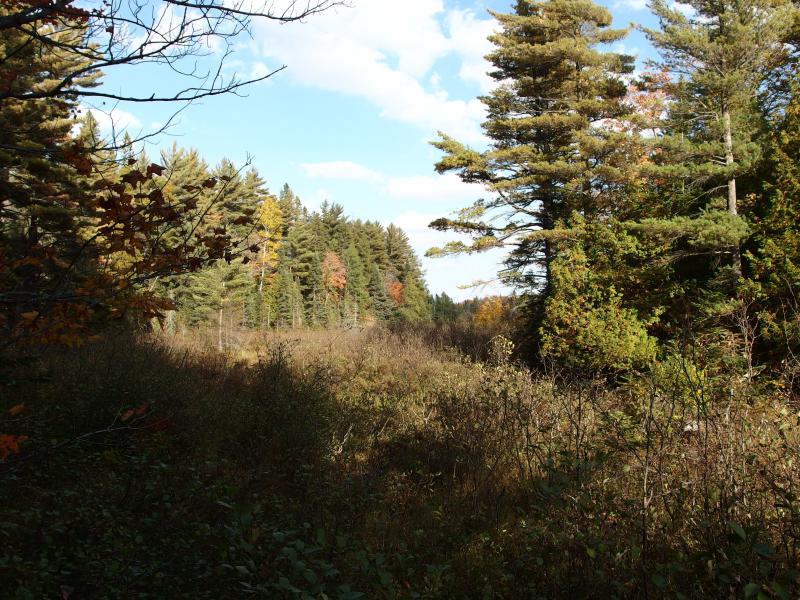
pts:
[386, 464]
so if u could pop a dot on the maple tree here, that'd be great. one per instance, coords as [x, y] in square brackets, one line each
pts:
[395, 291]
[334, 273]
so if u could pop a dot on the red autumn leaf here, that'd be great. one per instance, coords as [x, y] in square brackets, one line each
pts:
[134, 177]
[9, 444]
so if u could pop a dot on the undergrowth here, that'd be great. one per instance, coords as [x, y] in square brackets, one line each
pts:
[386, 465]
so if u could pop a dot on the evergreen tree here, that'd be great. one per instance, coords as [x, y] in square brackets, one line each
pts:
[44, 209]
[215, 291]
[443, 308]
[236, 200]
[723, 52]
[356, 292]
[774, 255]
[291, 208]
[557, 148]
[382, 307]
[334, 222]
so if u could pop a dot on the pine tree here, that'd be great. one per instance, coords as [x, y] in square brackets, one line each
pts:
[236, 200]
[382, 307]
[557, 145]
[724, 52]
[335, 227]
[443, 308]
[214, 291]
[589, 324]
[291, 208]
[356, 292]
[44, 211]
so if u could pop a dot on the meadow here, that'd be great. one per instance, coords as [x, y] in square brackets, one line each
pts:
[407, 463]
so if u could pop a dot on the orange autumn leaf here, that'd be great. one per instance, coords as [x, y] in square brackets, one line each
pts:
[395, 291]
[138, 411]
[17, 409]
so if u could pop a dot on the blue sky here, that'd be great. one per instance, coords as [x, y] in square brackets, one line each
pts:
[350, 119]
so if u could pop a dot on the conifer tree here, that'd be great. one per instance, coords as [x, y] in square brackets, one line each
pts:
[291, 208]
[214, 291]
[44, 210]
[723, 52]
[443, 308]
[557, 145]
[382, 307]
[774, 250]
[356, 293]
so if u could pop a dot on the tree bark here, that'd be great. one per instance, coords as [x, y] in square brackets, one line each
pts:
[726, 121]
[732, 204]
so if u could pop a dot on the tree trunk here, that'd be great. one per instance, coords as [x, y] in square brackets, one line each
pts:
[726, 121]
[732, 205]
[219, 328]
[170, 320]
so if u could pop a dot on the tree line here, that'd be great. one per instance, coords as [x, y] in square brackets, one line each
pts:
[298, 268]
[92, 231]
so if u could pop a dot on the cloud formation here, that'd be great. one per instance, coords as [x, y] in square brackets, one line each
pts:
[444, 188]
[384, 52]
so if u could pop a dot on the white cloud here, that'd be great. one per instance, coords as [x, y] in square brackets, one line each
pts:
[258, 70]
[686, 9]
[382, 52]
[437, 187]
[341, 169]
[468, 37]
[422, 237]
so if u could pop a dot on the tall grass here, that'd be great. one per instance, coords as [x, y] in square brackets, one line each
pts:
[388, 464]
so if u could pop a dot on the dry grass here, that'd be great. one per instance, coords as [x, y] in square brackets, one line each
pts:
[393, 464]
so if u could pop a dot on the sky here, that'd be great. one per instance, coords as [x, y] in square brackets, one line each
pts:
[350, 119]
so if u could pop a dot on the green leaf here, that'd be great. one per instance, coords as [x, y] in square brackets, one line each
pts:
[751, 589]
[737, 529]
[764, 550]
[659, 581]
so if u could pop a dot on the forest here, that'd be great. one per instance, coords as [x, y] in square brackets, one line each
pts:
[209, 389]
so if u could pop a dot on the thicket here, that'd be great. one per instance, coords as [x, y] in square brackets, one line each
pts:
[377, 464]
